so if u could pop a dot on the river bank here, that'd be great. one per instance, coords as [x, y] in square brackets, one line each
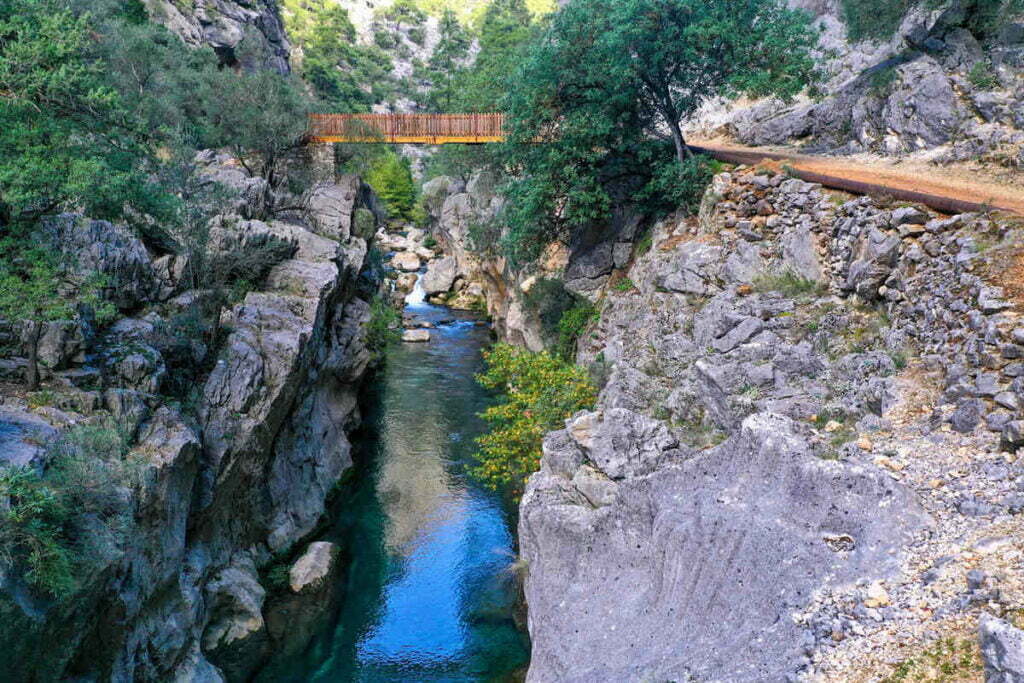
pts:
[428, 590]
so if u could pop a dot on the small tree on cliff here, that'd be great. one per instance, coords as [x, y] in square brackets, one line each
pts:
[609, 78]
[679, 54]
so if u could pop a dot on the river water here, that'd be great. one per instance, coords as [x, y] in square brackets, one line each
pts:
[428, 590]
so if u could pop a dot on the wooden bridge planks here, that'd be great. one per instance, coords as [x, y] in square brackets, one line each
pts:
[430, 129]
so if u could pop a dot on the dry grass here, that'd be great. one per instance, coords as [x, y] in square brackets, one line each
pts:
[1004, 267]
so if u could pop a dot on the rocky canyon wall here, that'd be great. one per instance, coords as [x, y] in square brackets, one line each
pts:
[802, 462]
[937, 84]
[246, 33]
[232, 478]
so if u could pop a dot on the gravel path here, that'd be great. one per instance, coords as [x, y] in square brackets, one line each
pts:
[913, 176]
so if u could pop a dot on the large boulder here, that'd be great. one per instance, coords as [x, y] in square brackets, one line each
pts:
[23, 437]
[406, 261]
[664, 565]
[91, 248]
[343, 209]
[440, 276]
[61, 342]
[1002, 648]
[236, 636]
[312, 570]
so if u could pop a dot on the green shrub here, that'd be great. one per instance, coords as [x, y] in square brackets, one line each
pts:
[874, 19]
[563, 315]
[61, 525]
[624, 285]
[880, 82]
[644, 244]
[429, 242]
[417, 35]
[982, 77]
[383, 329]
[787, 283]
[571, 327]
[679, 186]
[419, 215]
[276, 576]
[537, 393]
[391, 178]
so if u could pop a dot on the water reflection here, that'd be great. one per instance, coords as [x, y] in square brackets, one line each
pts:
[428, 592]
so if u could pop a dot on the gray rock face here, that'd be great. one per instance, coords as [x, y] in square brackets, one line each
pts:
[213, 501]
[730, 475]
[225, 25]
[440, 276]
[667, 578]
[1002, 648]
[91, 247]
[896, 95]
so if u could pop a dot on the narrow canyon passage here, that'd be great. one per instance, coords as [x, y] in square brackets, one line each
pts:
[428, 592]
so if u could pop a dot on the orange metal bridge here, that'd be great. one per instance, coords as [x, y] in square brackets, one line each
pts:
[427, 129]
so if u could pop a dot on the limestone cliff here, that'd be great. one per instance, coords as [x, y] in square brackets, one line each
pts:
[802, 457]
[233, 478]
[248, 33]
[940, 84]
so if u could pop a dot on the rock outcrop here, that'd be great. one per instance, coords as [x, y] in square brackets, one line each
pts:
[801, 447]
[650, 562]
[248, 33]
[939, 81]
[1002, 647]
[462, 219]
[226, 488]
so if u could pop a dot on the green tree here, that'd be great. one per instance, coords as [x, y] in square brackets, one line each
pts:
[391, 178]
[64, 137]
[63, 524]
[402, 14]
[445, 63]
[610, 78]
[31, 292]
[537, 392]
[346, 76]
[505, 29]
[262, 117]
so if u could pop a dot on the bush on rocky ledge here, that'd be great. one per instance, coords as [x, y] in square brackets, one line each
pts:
[538, 392]
[383, 329]
[61, 524]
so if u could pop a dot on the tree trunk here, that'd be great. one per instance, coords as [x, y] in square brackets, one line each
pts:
[682, 149]
[35, 331]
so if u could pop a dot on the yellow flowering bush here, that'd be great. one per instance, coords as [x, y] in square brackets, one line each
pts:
[538, 391]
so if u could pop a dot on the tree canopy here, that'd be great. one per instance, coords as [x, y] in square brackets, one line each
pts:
[98, 109]
[347, 77]
[609, 79]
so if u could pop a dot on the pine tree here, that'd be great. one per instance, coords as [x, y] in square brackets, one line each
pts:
[447, 60]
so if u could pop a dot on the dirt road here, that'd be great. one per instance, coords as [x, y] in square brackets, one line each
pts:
[946, 190]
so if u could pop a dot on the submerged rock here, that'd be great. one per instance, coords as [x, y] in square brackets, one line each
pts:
[416, 336]
[314, 567]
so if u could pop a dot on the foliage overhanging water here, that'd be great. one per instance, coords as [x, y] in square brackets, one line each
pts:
[428, 590]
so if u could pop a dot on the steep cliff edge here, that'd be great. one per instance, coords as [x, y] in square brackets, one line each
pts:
[248, 33]
[233, 478]
[801, 463]
[942, 78]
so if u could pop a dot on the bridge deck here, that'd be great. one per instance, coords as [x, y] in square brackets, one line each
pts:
[428, 129]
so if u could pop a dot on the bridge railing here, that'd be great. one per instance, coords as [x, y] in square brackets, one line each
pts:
[407, 128]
